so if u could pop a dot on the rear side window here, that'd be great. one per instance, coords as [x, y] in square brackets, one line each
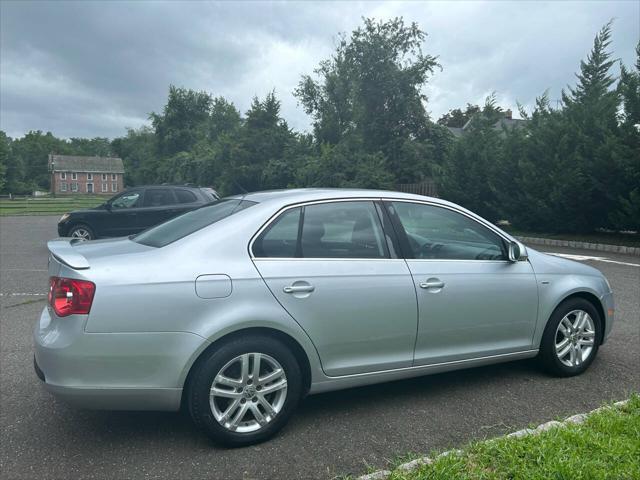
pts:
[158, 197]
[190, 222]
[185, 196]
[328, 230]
[280, 238]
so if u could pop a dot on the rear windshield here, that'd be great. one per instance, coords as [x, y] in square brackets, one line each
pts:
[186, 224]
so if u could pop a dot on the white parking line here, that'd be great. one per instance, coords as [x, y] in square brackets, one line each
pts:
[22, 294]
[582, 258]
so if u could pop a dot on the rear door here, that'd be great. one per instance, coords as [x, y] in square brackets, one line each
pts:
[330, 265]
[158, 206]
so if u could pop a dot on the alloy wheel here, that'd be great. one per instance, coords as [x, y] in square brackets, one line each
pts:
[81, 234]
[248, 392]
[575, 338]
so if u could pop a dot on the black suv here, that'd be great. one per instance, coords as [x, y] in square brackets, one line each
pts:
[134, 210]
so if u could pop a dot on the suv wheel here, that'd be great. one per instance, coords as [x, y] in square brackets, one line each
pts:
[82, 232]
[245, 391]
[571, 338]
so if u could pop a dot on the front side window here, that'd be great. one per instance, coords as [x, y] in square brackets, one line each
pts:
[329, 230]
[442, 234]
[127, 200]
[190, 222]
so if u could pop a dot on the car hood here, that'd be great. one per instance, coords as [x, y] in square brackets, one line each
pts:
[544, 263]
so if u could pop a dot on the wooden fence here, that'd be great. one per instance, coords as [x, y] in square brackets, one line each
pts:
[427, 188]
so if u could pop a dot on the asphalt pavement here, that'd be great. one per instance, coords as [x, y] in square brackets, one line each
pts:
[332, 434]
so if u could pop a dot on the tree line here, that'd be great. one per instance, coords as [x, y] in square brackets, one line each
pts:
[574, 167]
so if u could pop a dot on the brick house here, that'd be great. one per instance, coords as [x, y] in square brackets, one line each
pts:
[73, 175]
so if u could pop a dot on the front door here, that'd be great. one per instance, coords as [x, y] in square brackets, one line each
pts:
[329, 266]
[472, 301]
[122, 216]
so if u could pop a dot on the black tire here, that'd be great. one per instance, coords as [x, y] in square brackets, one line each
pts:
[548, 357]
[82, 226]
[210, 365]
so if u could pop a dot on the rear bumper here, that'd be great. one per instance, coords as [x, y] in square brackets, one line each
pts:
[113, 371]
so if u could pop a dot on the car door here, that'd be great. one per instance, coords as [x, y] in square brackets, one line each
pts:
[185, 200]
[122, 213]
[157, 207]
[329, 265]
[472, 301]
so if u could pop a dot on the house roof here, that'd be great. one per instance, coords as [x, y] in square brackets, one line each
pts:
[72, 163]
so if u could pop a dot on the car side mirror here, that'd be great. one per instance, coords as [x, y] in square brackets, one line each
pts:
[517, 252]
[107, 206]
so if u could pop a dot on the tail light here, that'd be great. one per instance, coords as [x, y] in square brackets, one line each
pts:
[69, 296]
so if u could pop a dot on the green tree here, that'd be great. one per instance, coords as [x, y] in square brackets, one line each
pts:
[5, 148]
[458, 117]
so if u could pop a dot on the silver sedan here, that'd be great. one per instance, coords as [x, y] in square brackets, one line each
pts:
[239, 309]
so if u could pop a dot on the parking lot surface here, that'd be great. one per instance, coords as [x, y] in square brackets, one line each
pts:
[332, 434]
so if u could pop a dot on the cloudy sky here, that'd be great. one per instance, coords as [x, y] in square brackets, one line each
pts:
[94, 68]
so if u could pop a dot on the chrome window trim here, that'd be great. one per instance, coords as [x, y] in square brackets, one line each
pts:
[304, 204]
[375, 199]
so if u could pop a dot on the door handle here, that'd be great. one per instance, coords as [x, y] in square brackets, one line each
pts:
[299, 289]
[432, 283]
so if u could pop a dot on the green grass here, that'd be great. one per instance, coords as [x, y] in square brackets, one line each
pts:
[613, 238]
[49, 205]
[607, 445]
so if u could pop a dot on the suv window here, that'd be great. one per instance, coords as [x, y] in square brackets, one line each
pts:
[158, 197]
[439, 233]
[190, 222]
[126, 200]
[280, 238]
[185, 196]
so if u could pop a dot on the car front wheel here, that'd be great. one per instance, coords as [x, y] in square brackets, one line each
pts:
[245, 391]
[571, 338]
[82, 232]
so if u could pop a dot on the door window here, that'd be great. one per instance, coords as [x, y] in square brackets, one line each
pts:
[439, 233]
[127, 200]
[329, 230]
[185, 196]
[158, 197]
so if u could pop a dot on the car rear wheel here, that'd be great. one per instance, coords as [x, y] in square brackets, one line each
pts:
[245, 391]
[82, 232]
[571, 338]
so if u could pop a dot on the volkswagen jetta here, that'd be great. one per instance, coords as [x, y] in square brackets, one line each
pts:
[242, 307]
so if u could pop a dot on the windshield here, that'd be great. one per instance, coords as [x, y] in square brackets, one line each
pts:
[186, 224]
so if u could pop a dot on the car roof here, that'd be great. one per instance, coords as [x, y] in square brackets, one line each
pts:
[312, 194]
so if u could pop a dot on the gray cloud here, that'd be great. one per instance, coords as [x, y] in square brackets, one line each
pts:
[94, 68]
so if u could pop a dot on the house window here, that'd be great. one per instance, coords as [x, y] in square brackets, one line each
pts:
[105, 186]
[114, 187]
[74, 186]
[104, 178]
[63, 186]
[63, 175]
[74, 176]
[114, 176]
[89, 176]
[89, 187]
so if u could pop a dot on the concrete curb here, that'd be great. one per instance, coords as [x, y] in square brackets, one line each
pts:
[599, 247]
[418, 462]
